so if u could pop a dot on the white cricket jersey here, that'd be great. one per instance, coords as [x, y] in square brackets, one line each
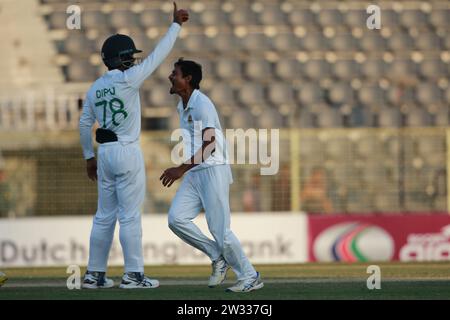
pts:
[113, 99]
[199, 114]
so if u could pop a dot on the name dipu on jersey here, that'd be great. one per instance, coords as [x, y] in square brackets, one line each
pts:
[103, 92]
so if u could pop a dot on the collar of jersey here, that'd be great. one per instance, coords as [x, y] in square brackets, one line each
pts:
[191, 100]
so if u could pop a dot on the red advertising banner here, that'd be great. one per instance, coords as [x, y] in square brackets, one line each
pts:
[353, 238]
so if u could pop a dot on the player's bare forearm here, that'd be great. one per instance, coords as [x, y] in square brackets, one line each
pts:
[201, 155]
[170, 175]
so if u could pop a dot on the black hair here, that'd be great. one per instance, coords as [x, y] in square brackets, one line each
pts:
[190, 68]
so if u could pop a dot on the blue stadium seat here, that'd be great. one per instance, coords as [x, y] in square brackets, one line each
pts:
[371, 95]
[428, 41]
[330, 17]
[356, 18]
[257, 69]
[341, 92]
[153, 18]
[418, 117]
[373, 42]
[439, 18]
[143, 43]
[287, 69]
[400, 41]
[251, 94]
[77, 44]
[389, 18]
[389, 117]
[272, 15]
[57, 20]
[360, 116]
[402, 69]
[330, 118]
[428, 93]
[413, 18]
[243, 15]
[302, 17]
[93, 19]
[81, 71]
[255, 42]
[225, 43]
[223, 94]
[213, 17]
[159, 96]
[344, 42]
[280, 93]
[442, 116]
[196, 42]
[317, 69]
[164, 70]
[228, 68]
[374, 69]
[123, 19]
[346, 69]
[399, 95]
[285, 42]
[241, 118]
[433, 69]
[310, 93]
[314, 41]
[269, 119]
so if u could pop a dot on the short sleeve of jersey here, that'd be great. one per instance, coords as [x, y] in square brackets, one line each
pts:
[205, 112]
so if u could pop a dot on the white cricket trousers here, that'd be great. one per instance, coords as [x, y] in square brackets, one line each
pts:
[209, 189]
[121, 191]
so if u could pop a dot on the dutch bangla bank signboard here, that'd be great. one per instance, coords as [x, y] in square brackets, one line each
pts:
[61, 241]
[266, 238]
[353, 238]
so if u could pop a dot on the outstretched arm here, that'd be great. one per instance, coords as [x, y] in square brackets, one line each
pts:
[137, 74]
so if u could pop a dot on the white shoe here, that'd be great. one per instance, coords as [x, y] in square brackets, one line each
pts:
[247, 285]
[96, 280]
[219, 272]
[3, 278]
[136, 280]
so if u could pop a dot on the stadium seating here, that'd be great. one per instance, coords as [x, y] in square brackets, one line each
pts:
[310, 53]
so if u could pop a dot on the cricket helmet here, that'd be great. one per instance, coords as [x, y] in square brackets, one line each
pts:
[118, 51]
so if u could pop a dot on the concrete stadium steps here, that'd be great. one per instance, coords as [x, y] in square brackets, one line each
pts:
[27, 52]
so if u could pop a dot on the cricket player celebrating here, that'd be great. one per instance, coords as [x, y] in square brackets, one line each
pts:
[206, 183]
[113, 100]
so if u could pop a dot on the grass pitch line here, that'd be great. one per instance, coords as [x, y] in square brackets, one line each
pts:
[29, 283]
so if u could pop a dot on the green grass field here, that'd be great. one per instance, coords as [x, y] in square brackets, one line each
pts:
[287, 282]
